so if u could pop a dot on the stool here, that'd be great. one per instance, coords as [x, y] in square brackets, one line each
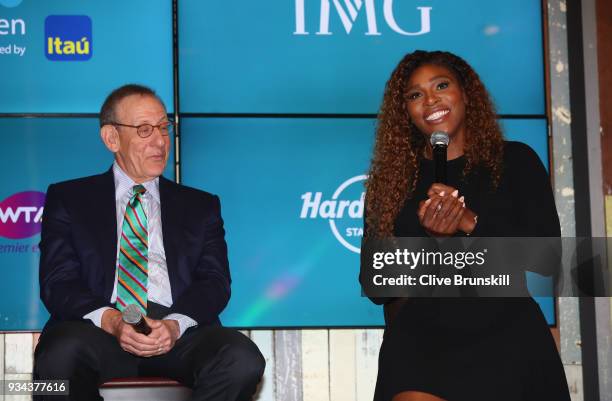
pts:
[144, 388]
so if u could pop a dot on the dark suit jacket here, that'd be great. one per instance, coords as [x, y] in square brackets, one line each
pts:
[78, 249]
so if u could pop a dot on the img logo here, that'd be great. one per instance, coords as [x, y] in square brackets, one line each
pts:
[68, 37]
[21, 214]
[349, 10]
[344, 211]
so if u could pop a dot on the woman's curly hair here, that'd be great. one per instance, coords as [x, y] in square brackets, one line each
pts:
[400, 146]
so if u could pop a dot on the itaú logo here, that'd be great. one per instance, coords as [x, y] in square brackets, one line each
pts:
[348, 10]
[21, 214]
[68, 37]
[344, 211]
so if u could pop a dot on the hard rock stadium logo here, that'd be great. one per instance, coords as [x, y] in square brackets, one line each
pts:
[343, 211]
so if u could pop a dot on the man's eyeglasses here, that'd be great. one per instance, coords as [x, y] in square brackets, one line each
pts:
[146, 130]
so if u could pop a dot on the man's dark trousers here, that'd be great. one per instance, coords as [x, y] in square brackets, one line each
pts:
[217, 362]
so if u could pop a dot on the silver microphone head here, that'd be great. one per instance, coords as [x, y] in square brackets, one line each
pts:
[439, 138]
[131, 314]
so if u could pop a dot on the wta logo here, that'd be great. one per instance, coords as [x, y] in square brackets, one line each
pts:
[21, 214]
[344, 211]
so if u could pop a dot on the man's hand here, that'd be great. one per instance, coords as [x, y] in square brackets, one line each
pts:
[166, 332]
[129, 340]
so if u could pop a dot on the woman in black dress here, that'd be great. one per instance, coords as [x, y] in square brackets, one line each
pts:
[458, 349]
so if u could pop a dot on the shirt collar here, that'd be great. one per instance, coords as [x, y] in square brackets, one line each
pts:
[124, 184]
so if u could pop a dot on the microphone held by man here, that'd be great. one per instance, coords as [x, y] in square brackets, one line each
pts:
[134, 317]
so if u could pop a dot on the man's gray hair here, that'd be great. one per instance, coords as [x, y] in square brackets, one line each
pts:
[108, 111]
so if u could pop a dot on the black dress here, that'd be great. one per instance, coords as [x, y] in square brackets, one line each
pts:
[473, 349]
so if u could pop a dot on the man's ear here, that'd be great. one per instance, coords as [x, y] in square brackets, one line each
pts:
[110, 137]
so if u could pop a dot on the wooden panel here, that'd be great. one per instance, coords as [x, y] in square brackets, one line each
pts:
[1, 362]
[604, 61]
[265, 341]
[18, 353]
[337, 365]
[288, 361]
[18, 377]
[609, 234]
[367, 346]
[608, 205]
[574, 381]
[35, 338]
[315, 365]
[342, 368]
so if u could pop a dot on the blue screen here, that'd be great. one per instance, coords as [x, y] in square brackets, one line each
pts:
[127, 41]
[262, 57]
[290, 265]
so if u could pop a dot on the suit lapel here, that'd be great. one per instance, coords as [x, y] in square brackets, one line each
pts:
[170, 219]
[104, 218]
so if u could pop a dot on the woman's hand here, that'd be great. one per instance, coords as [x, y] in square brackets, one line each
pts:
[437, 189]
[441, 214]
[431, 212]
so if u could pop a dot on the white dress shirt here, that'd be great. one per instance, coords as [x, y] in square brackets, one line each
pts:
[158, 286]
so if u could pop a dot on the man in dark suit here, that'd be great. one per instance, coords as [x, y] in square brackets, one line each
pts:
[130, 236]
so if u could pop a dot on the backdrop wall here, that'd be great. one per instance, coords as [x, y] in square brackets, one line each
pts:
[277, 105]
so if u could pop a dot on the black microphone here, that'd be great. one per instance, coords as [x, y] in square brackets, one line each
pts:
[133, 316]
[439, 142]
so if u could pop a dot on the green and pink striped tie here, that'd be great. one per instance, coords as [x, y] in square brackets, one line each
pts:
[133, 272]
